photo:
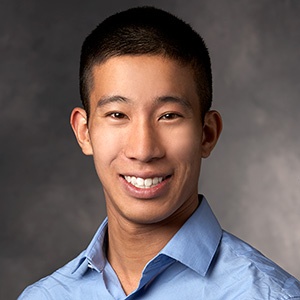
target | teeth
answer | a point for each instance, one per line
(143, 183)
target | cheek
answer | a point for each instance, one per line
(185, 146)
(106, 147)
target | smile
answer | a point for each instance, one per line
(143, 183)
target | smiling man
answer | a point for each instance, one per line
(146, 88)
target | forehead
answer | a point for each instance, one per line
(143, 76)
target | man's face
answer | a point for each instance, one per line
(145, 134)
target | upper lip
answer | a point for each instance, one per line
(146, 175)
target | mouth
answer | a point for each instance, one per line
(144, 183)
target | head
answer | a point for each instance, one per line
(148, 31)
(146, 88)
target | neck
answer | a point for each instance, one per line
(131, 246)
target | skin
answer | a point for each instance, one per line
(145, 122)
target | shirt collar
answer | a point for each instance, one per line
(194, 245)
(94, 256)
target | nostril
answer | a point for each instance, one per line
(143, 154)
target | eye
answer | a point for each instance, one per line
(116, 115)
(170, 116)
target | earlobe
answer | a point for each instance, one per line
(79, 125)
(212, 128)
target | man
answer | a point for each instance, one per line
(146, 88)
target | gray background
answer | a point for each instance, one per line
(51, 201)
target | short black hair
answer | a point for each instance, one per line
(146, 31)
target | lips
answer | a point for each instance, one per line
(149, 186)
(143, 183)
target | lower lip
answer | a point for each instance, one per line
(146, 193)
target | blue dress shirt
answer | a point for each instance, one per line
(200, 262)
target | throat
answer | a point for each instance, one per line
(129, 256)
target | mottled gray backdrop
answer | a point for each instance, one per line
(51, 201)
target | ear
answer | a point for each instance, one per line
(79, 125)
(212, 128)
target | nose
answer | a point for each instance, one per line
(144, 143)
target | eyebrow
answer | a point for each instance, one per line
(111, 99)
(103, 101)
(173, 99)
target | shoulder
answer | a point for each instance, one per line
(52, 285)
(254, 271)
(35, 292)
